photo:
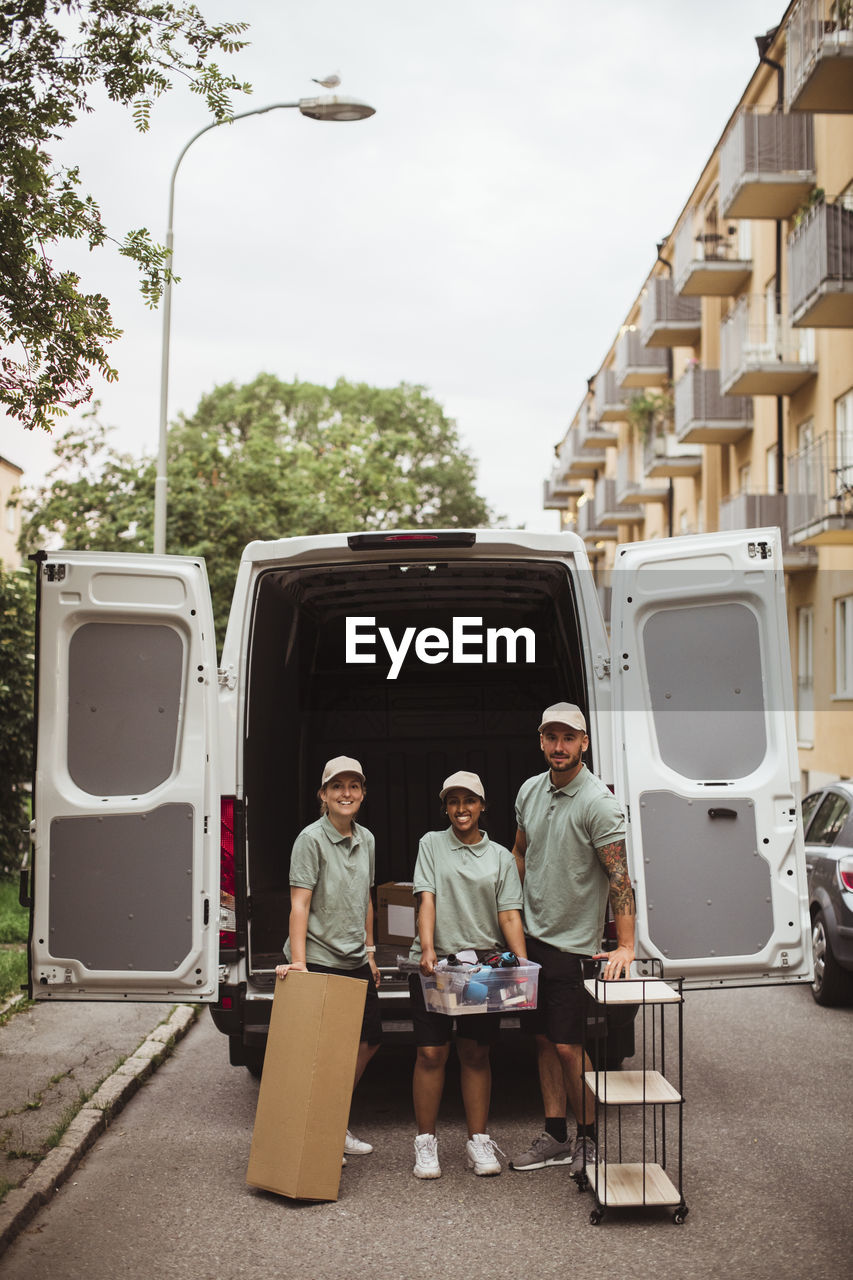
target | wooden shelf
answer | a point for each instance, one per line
(622, 1088)
(633, 1184)
(632, 991)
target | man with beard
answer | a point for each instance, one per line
(570, 853)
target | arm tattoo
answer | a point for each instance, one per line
(612, 858)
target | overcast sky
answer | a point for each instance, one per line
(482, 235)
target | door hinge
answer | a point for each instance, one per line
(601, 666)
(227, 677)
(55, 572)
(760, 550)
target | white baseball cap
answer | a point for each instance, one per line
(341, 764)
(465, 781)
(567, 713)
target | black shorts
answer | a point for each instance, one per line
(561, 1007)
(436, 1028)
(371, 1023)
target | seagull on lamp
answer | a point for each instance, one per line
(328, 82)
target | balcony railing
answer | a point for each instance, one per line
(631, 489)
(638, 365)
(767, 164)
(820, 267)
(819, 57)
(610, 513)
(556, 493)
(762, 511)
(820, 480)
(760, 353)
(610, 400)
(592, 438)
(668, 319)
(711, 261)
(703, 415)
(664, 456)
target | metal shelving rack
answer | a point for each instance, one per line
(655, 1181)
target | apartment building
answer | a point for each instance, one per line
(725, 400)
(10, 514)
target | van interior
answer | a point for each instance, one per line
(306, 704)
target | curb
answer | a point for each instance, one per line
(22, 1203)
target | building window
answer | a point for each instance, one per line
(844, 647)
(805, 676)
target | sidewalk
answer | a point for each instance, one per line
(59, 1061)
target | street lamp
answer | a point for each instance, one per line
(331, 107)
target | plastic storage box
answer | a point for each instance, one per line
(480, 989)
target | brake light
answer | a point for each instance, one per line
(227, 908)
(845, 870)
(443, 538)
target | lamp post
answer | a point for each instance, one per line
(334, 107)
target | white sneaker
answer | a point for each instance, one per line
(426, 1156)
(355, 1147)
(481, 1155)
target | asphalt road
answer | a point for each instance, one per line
(766, 1174)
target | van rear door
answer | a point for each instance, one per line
(706, 762)
(125, 869)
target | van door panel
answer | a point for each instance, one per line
(125, 852)
(705, 757)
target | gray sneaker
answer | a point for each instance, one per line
(584, 1155)
(544, 1150)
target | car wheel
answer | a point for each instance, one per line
(831, 984)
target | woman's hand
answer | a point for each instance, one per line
(282, 970)
(374, 969)
(428, 958)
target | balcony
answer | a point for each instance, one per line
(666, 318)
(609, 512)
(558, 491)
(589, 525)
(577, 461)
(711, 262)
(665, 456)
(703, 415)
(760, 353)
(767, 165)
(592, 437)
(610, 400)
(638, 365)
(820, 267)
(629, 489)
(819, 58)
(820, 480)
(765, 510)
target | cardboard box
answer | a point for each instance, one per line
(461, 991)
(395, 913)
(306, 1087)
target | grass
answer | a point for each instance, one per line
(14, 923)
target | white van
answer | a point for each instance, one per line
(168, 791)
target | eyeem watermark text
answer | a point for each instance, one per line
(468, 641)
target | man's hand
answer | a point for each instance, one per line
(618, 962)
(282, 970)
(428, 958)
(374, 969)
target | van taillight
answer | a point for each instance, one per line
(442, 538)
(845, 870)
(227, 912)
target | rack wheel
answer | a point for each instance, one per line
(595, 1217)
(679, 1216)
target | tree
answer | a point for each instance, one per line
(265, 460)
(52, 52)
(17, 626)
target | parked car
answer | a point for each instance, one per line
(828, 826)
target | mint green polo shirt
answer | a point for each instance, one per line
(565, 886)
(339, 872)
(471, 883)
